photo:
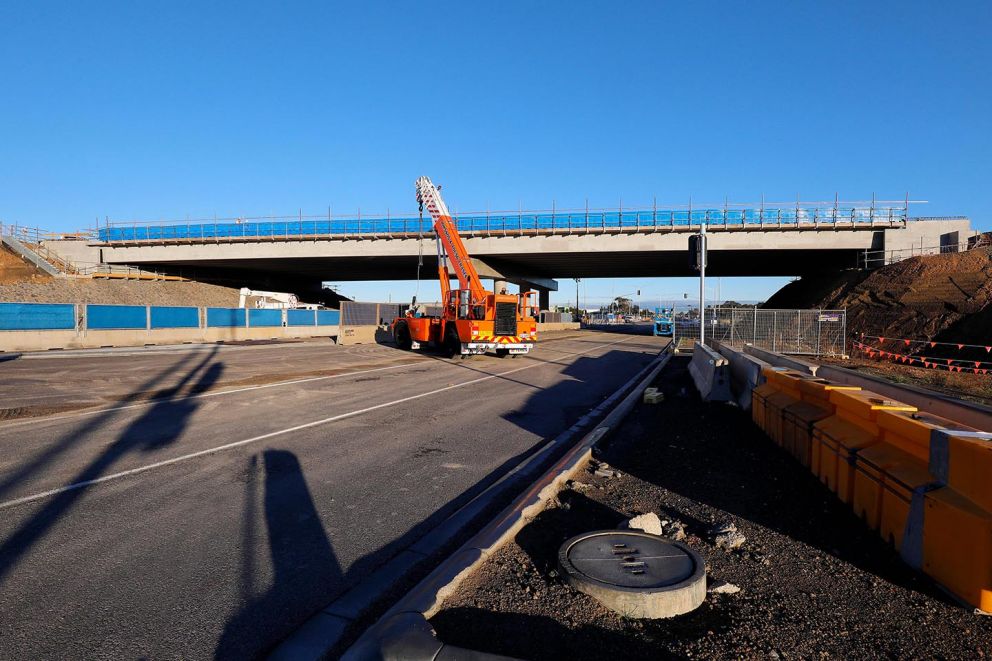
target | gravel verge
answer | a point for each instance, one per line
(814, 582)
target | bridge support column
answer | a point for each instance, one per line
(544, 298)
(499, 286)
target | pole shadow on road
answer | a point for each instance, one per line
(160, 425)
(303, 563)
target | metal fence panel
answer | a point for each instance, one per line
(226, 317)
(258, 318)
(301, 317)
(116, 317)
(328, 317)
(808, 332)
(359, 314)
(37, 316)
(174, 317)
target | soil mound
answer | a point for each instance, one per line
(938, 297)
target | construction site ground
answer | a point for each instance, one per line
(814, 581)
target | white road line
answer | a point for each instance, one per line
(281, 432)
(149, 402)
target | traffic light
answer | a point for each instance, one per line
(697, 251)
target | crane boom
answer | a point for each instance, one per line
(429, 196)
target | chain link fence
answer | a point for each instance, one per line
(808, 332)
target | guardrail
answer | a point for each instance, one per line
(805, 215)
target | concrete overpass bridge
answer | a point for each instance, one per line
(527, 248)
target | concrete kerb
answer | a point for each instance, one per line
(403, 632)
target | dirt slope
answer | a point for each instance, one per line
(939, 297)
(14, 269)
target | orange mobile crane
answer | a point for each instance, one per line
(473, 320)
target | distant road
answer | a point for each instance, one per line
(258, 483)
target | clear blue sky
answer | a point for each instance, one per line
(167, 109)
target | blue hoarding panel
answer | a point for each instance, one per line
(225, 317)
(37, 316)
(106, 317)
(328, 317)
(300, 317)
(259, 318)
(173, 317)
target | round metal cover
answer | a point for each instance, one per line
(635, 573)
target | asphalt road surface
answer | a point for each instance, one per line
(203, 502)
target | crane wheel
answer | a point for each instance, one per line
(402, 337)
(452, 343)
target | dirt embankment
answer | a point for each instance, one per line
(14, 269)
(938, 297)
(119, 292)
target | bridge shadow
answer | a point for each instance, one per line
(160, 425)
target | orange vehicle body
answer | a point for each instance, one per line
(473, 320)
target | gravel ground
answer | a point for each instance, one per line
(975, 387)
(815, 583)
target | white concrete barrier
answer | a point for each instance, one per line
(41, 340)
(711, 373)
(745, 373)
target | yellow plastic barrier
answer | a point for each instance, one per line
(911, 430)
(884, 480)
(835, 442)
(818, 390)
(957, 546)
(758, 397)
(775, 406)
(797, 428)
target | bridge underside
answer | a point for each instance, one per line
(513, 267)
(529, 260)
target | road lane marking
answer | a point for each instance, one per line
(308, 425)
(155, 400)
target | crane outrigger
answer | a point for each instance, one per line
(473, 320)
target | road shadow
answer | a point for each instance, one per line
(303, 562)
(539, 637)
(161, 424)
(95, 422)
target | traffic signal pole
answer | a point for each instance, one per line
(702, 282)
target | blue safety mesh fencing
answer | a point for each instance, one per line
(225, 317)
(579, 220)
(301, 317)
(328, 317)
(264, 318)
(116, 317)
(37, 316)
(175, 317)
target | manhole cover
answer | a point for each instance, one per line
(635, 573)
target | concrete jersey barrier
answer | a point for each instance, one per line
(711, 373)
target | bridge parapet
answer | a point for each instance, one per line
(878, 215)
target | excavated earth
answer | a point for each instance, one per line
(938, 297)
(814, 581)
